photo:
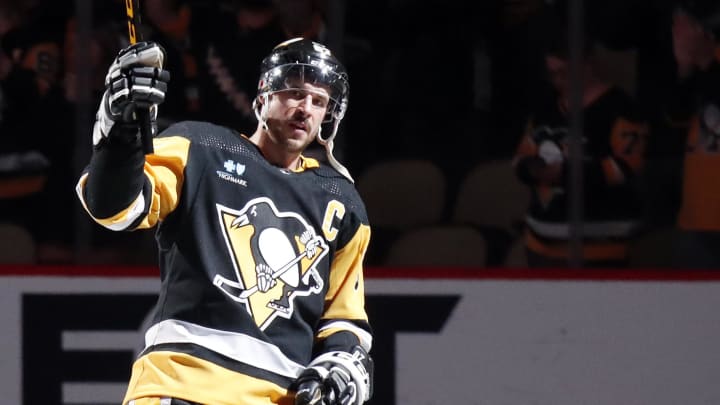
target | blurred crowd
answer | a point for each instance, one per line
(453, 83)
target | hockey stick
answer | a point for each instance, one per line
(132, 10)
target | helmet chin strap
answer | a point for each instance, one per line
(261, 113)
(329, 145)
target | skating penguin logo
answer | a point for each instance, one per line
(275, 257)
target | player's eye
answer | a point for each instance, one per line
(320, 101)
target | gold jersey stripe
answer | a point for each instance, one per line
(119, 221)
(178, 375)
(165, 170)
(346, 291)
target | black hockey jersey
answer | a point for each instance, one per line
(261, 267)
(614, 138)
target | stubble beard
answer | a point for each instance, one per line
(282, 136)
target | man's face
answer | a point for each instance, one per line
(295, 114)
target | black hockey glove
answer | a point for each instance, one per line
(136, 79)
(336, 378)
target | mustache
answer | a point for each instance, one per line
(303, 122)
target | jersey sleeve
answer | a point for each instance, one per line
(122, 189)
(344, 323)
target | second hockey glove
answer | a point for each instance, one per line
(136, 79)
(336, 378)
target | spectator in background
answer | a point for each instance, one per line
(35, 156)
(644, 28)
(696, 101)
(613, 142)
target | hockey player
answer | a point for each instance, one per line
(613, 153)
(261, 247)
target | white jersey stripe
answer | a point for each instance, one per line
(237, 346)
(134, 213)
(365, 337)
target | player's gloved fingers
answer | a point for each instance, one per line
(149, 82)
(114, 74)
(348, 396)
(309, 393)
(339, 387)
(117, 101)
(121, 85)
(141, 53)
(160, 75)
(148, 94)
(142, 89)
(329, 397)
(118, 95)
(150, 77)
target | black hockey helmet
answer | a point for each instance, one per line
(312, 63)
